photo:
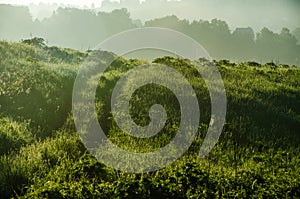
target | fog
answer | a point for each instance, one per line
(273, 14)
(250, 38)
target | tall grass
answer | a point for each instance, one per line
(41, 155)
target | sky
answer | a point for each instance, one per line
(273, 14)
(70, 2)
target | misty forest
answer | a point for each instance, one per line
(42, 155)
(84, 29)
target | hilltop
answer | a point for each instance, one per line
(41, 155)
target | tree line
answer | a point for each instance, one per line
(84, 29)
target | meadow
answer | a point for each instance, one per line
(42, 155)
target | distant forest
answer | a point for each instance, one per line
(84, 29)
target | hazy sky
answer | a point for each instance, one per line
(257, 14)
(71, 2)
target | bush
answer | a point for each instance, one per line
(13, 135)
(22, 168)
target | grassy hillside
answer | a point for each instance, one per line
(42, 156)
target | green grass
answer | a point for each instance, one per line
(42, 156)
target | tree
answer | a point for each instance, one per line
(267, 45)
(243, 43)
(36, 41)
(287, 38)
(296, 32)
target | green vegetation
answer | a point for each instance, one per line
(82, 28)
(41, 155)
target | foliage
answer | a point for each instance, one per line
(83, 29)
(41, 156)
(38, 42)
(13, 135)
